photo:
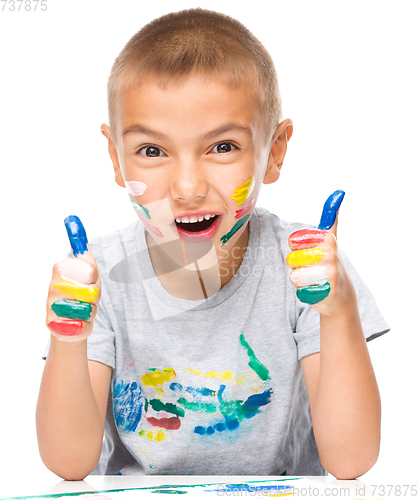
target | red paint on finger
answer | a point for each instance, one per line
(68, 327)
(307, 238)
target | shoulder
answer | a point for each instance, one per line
(273, 228)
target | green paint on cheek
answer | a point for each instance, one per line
(234, 229)
(313, 294)
(72, 310)
(143, 210)
(254, 363)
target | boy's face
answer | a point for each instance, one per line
(195, 151)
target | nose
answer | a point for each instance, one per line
(188, 181)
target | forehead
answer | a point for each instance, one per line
(194, 104)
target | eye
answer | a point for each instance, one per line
(151, 151)
(223, 147)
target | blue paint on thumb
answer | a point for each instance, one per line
(76, 234)
(330, 209)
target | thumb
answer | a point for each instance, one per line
(78, 239)
(328, 220)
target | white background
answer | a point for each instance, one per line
(348, 78)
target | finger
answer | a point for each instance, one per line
(330, 209)
(302, 258)
(78, 270)
(72, 309)
(78, 239)
(306, 238)
(309, 276)
(313, 294)
(78, 291)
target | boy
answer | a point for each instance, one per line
(200, 359)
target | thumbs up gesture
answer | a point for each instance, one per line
(74, 291)
(319, 273)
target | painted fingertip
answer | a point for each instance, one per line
(330, 209)
(313, 294)
(72, 310)
(69, 327)
(76, 234)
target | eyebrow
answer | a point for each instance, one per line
(138, 129)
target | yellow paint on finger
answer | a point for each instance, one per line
(84, 293)
(243, 191)
(302, 258)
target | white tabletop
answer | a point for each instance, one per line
(46, 483)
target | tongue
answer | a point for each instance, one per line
(195, 227)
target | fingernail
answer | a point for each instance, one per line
(76, 234)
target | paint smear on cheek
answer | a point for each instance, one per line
(140, 209)
(243, 191)
(243, 211)
(135, 188)
(234, 229)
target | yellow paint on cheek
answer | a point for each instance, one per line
(157, 377)
(243, 191)
(84, 293)
(307, 257)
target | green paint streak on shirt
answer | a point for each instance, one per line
(258, 367)
(204, 407)
(234, 229)
(158, 405)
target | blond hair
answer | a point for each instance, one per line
(202, 41)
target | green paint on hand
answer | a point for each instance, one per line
(234, 229)
(158, 405)
(313, 294)
(204, 407)
(254, 363)
(72, 310)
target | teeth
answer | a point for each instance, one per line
(193, 218)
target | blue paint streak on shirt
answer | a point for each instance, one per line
(257, 400)
(174, 386)
(200, 391)
(128, 403)
(330, 209)
(76, 234)
(200, 430)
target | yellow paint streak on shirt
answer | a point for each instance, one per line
(226, 375)
(160, 434)
(241, 381)
(84, 293)
(212, 374)
(157, 378)
(191, 370)
(243, 191)
(150, 435)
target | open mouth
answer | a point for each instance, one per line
(196, 227)
(198, 232)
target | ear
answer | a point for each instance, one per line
(278, 149)
(106, 131)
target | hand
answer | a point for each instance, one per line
(74, 291)
(319, 273)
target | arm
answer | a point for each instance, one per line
(71, 410)
(344, 397)
(341, 386)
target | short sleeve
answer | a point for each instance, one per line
(307, 331)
